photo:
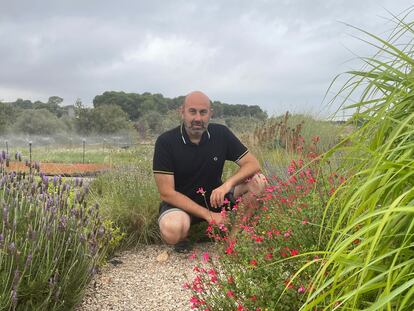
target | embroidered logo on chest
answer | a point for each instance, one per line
(215, 159)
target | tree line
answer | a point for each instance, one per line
(111, 112)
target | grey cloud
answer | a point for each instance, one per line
(276, 54)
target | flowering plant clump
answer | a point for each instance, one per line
(50, 241)
(257, 269)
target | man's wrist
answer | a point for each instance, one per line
(206, 214)
(228, 183)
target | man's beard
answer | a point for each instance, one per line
(196, 127)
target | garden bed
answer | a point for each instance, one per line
(63, 169)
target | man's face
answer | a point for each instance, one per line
(196, 114)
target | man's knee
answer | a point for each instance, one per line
(174, 226)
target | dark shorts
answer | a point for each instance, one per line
(165, 208)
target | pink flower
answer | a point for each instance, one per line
(201, 191)
(230, 294)
(205, 257)
(223, 228)
(301, 289)
(192, 256)
(226, 201)
(253, 262)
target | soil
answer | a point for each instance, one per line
(63, 169)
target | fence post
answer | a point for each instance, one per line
(83, 154)
(30, 157)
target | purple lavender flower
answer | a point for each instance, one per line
(45, 180)
(78, 197)
(12, 247)
(63, 223)
(101, 231)
(5, 215)
(29, 260)
(16, 278)
(55, 180)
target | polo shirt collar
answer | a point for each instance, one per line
(186, 139)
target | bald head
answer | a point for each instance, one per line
(197, 97)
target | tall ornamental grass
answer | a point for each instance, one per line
(369, 260)
(129, 197)
(50, 241)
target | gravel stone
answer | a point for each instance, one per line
(136, 280)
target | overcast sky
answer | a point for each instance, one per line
(280, 55)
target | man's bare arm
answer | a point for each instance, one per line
(165, 184)
(249, 166)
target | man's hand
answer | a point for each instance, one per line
(217, 218)
(217, 195)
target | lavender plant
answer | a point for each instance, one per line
(50, 241)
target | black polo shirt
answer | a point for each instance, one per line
(196, 166)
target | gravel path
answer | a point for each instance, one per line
(142, 280)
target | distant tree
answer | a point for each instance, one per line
(55, 100)
(105, 119)
(217, 109)
(109, 119)
(8, 115)
(176, 102)
(24, 104)
(130, 103)
(136, 105)
(153, 121)
(38, 121)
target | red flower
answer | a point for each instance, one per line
(230, 294)
(288, 283)
(294, 252)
